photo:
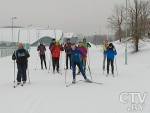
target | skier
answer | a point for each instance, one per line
(52, 43)
(55, 50)
(75, 60)
(68, 55)
(87, 46)
(83, 57)
(42, 50)
(105, 45)
(21, 55)
(110, 52)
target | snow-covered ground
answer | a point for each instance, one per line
(47, 92)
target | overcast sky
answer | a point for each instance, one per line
(81, 16)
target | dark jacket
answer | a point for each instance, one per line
(51, 44)
(21, 56)
(42, 49)
(66, 47)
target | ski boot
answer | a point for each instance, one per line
(87, 80)
(18, 82)
(74, 81)
(78, 73)
(113, 74)
(24, 82)
(53, 71)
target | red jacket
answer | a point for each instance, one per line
(55, 50)
(83, 50)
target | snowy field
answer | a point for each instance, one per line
(47, 92)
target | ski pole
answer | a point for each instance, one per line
(14, 72)
(89, 57)
(47, 56)
(28, 75)
(49, 62)
(89, 70)
(61, 62)
(36, 63)
(65, 75)
(116, 66)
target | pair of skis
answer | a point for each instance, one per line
(22, 84)
(86, 82)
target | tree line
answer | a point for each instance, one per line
(138, 14)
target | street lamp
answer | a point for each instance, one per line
(12, 28)
(126, 34)
(29, 35)
(111, 27)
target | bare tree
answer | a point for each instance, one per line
(139, 12)
(117, 19)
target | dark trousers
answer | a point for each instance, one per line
(55, 61)
(42, 57)
(68, 57)
(83, 64)
(79, 64)
(21, 72)
(112, 65)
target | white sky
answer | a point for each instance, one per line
(81, 16)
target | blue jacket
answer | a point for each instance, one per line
(110, 53)
(75, 55)
(21, 55)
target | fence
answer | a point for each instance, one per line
(7, 48)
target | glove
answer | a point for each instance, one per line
(13, 57)
(114, 49)
(27, 55)
(84, 55)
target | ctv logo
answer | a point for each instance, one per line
(136, 99)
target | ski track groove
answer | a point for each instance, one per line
(34, 101)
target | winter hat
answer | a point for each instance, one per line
(106, 41)
(57, 41)
(80, 43)
(53, 39)
(41, 42)
(111, 44)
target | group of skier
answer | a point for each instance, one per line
(77, 55)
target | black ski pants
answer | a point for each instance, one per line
(110, 61)
(42, 57)
(55, 61)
